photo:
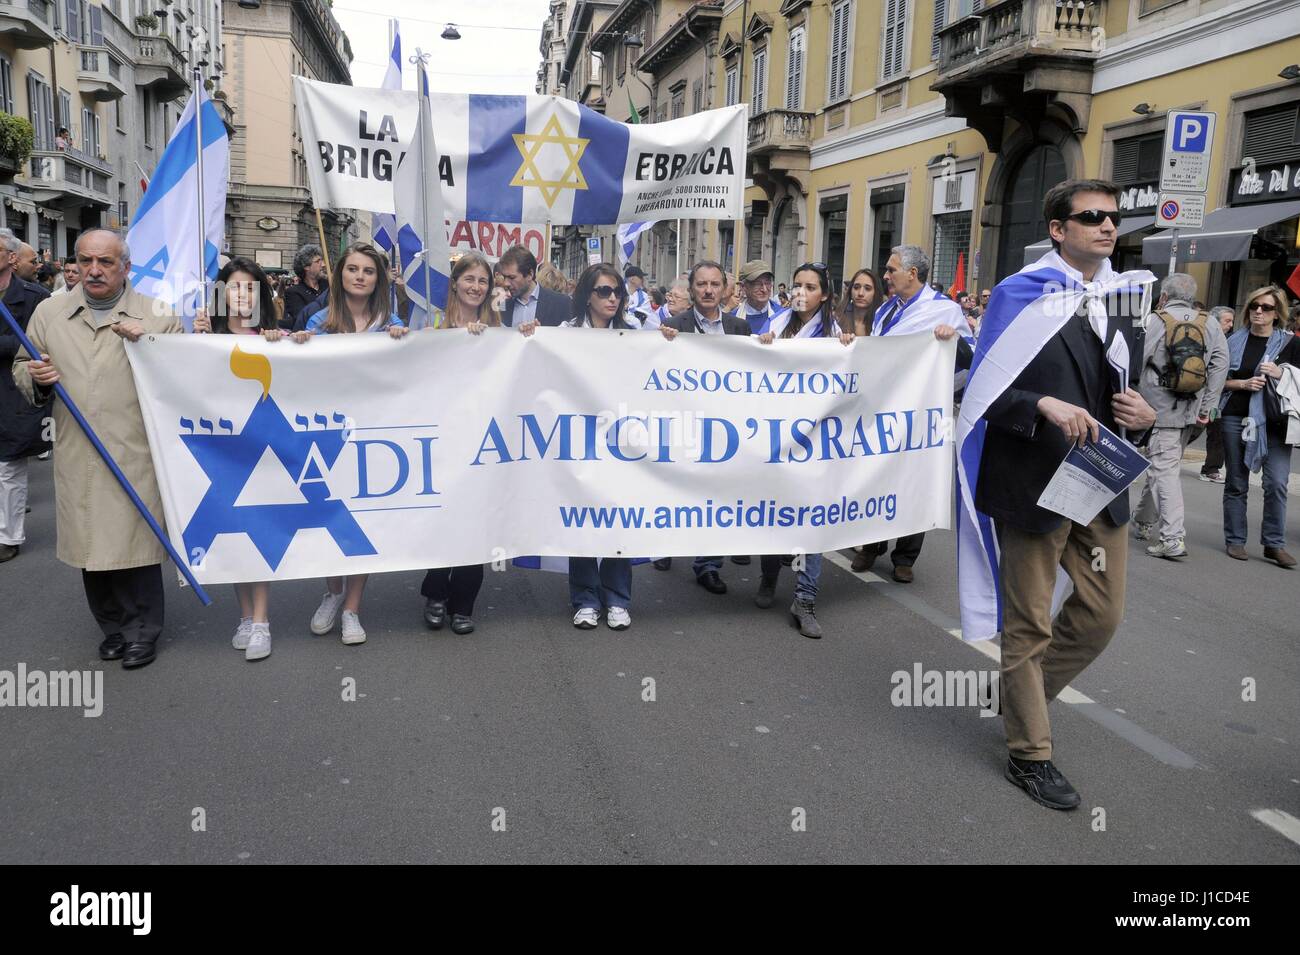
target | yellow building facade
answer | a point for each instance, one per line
(942, 123)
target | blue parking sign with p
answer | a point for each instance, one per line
(1190, 132)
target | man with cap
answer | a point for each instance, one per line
(758, 308)
(638, 299)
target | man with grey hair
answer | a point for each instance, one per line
(912, 308)
(81, 340)
(1185, 362)
(23, 431)
(313, 282)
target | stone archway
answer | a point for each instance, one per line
(1004, 218)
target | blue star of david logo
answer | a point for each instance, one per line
(228, 461)
(155, 268)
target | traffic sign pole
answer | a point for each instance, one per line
(1173, 251)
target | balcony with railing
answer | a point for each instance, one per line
(778, 129)
(99, 74)
(70, 172)
(159, 67)
(1020, 54)
(28, 24)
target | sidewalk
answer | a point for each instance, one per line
(1193, 458)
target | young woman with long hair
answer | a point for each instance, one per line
(862, 296)
(812, 315)
(360, 301)
(243, 303)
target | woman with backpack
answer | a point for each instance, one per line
(1252, 441)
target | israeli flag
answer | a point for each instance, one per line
(385, 223)
(627, 236)
(1037, 301)
(169, 259)
(421, 232)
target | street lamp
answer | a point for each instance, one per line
(451, 33)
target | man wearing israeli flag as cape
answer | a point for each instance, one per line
(915, 308)
(1055, 354)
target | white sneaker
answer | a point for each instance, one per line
(1169, 549)
(259, 642)
(240, 642)
(586, 618)
(1142, 531)
(352, 632)
(327, 614)
(618, 618)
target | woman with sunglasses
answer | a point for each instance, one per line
(244, 304)
(811, 315)
(469, 306)
(1250, 442)
(861, 299)
(360, 301)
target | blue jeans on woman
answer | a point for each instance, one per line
(609, 586)
(1276, 471)
(805, 584)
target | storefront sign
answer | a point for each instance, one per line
(1254, 183)
(1140, 197)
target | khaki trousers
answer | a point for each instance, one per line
(1041, 656)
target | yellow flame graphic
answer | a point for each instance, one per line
(252, 367)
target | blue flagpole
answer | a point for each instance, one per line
(62, 393)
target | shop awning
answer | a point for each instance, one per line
(20, 205)
(1133, 224)
(1225, 237)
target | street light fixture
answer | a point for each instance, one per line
(1144, 109)
(451, 33)
(1290, 72)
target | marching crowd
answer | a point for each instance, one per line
(1231, 373)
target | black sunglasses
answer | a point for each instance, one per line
(1097, 216)
(605, 291)
(813, 266)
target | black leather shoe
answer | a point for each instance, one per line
(112, 648)
(742, 560)
(435, 613)
(1043, 781)
(8, 552)
(461, 624)
(711, 582)
(664, 563)
(138, 655)
(864, 559)
(766, 593)
(903, 574)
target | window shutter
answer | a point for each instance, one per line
(96, 26)
(1272, 134)
(794, 72)
(940, 21)
(757, 100)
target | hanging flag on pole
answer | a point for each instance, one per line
(424, 258)
(166, 245)
(959, 280)
(385, 223)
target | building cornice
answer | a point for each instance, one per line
(917, 125)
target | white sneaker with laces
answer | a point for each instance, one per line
(240, 642)
(586, 619)
(1169, 549)
(259, 642)
(327, 614)
(618, 618)
(352, 632)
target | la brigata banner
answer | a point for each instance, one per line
(523, 158)
(361, 454)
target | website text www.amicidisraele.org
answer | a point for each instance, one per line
(726, 514)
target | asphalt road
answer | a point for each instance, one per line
(544, 728)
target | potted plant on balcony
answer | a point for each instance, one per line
(146, 21)
(17, 137)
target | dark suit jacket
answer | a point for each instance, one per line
(685, 322)
(297, 298)
(552, 308)
(1022, 450)
(20, 423)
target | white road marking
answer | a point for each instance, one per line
(1280, 821)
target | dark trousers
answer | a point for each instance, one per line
(1213, 447)
(127, 603)
(458, 587)
(906, 549)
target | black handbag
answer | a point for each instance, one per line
(1273, 412)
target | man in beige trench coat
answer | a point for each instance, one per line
(81, 337)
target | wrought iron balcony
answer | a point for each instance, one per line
(28, 24)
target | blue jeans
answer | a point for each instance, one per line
(805, 585)
(1236, 487)
(702, 565)
(608, 586)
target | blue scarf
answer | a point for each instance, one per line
(1257, 443)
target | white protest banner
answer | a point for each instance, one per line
(361, 454)
(523, 158)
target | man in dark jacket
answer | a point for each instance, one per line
(705, 316)
(528, 301)
(313, 282)
(22, 427)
